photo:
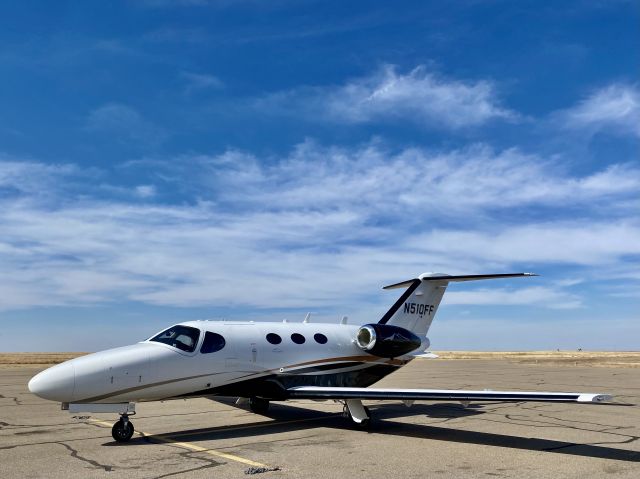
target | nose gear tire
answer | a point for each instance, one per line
(122, 432)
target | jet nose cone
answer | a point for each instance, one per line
(55, 384)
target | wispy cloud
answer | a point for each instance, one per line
(420, 96)
(145, 191)
(125, 124)
(352, 218)
(490, 334)
(200, 81)
(371, 178)
(30, 177)
(615, 109)
(581, 242)
(551, 298)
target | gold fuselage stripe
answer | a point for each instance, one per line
(366, 359)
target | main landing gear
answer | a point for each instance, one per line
(359, 415)
(122, 430)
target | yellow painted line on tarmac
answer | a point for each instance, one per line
(192, 447)
(251, 426)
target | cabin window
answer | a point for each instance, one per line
(273, 338)
(297, 338)
(184, 338)
(212, 342)
(320, 338)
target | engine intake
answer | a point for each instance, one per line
(386, 341)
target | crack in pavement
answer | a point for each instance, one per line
(95, 464)
(15, 446)
(14, 398)
(608, 426)
(273, 441)
(562, 423)
(192, 454)
(8, 426)
(600, 428)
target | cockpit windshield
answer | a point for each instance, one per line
(181, 337)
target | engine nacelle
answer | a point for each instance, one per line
(386, 341)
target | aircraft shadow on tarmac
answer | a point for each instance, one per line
(288, 418)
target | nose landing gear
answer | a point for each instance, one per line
(122, 430)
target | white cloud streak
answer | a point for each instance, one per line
(386, 96)
(145, 191)
(415, 183)
(201, 81)
(614, 109)
(32, 178)
(551, 298)
(488, 334)
(583, 242)
(327, 226)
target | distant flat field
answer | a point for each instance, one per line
(615, 359)
(35, 359)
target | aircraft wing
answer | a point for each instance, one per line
(316, 392)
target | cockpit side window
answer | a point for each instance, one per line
(212, 342)
(184, 338)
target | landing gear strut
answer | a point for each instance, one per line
(122, 430)
(359, 415)
(259, 405)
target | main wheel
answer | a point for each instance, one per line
(122, 433)
(259, 405)
(364, 424)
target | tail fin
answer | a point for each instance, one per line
(417, 306)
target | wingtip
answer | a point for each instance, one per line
(595, 398)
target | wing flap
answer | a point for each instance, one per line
(316, 392)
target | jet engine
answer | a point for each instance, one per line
(386, 341)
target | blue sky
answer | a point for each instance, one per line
(172, 160)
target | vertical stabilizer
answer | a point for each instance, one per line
(417, 306)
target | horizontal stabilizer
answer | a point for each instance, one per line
(315, 392)
(449, 278)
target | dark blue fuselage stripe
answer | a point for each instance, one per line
(400, 302)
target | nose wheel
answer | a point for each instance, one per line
(122, 430)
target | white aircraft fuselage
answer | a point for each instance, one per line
(244, 367)
(266, 361)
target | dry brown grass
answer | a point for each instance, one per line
(628, 359)
(8, 360)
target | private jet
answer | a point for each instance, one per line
(259, 362)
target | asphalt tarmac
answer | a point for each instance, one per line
(305, 439)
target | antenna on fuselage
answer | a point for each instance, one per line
(285, 320)
(306, 318)
(344, 320)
